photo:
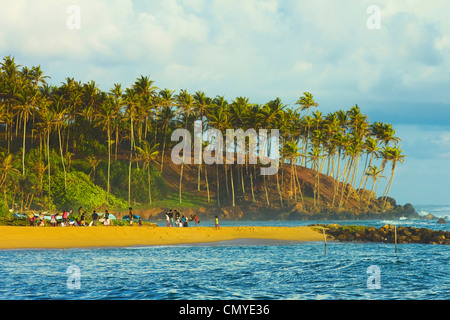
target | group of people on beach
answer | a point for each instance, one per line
(175, 219)
(69, 220)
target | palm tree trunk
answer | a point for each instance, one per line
(232, 183)
(24, 136)
(62, 159)
(345, 186)
(217, 176)
(181, 179)
(149, 185)
(279, 191)
(48, 161)
(242, 178)
(164, 149)
(251, 183)
(109, 163)
(207, 184)
(131, 159)
(265, 189)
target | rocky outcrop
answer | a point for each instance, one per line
(385, 234)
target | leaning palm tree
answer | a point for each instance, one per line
(395, 156)
(374, 173)
(148, 155)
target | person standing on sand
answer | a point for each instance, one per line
(107, 221)
(130, 216)
(64, 218)
(53, 220)
(94, 218)
(217, 222)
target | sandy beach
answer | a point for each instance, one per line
(84, 237)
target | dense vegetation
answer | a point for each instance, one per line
(75, 145)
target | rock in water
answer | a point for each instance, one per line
(442, 220)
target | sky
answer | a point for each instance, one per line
(391, 58)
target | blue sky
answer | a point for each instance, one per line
(263, 49)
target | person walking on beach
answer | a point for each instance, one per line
(167, 220)
(196, 220)
(217, 222)
(170, 214)
(94, 218)
(130, 216)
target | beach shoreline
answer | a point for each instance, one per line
(128, 236)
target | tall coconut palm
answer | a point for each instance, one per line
(165, 116)
(395, 156)
(131, 101)
(202, 103)
(148, 154)
(185, 103)
(107, 112)
(218, 119)
(26, 101)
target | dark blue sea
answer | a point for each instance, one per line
(237, 270)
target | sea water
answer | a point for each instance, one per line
(240, 269)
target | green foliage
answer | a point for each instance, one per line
(139, 182)
(88, 147)
(4, 212)
(81, 192)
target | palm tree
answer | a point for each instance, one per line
(148, 155)
(291, 152)
(59, 111)
(218, 119)
(107, 112)
(94, 162)
(374, 173)
(26, 99)
(306, 102)
(166, 115)
(395, 155)
(7, 163)
(185, 103)
(131, 101)
(202, 103)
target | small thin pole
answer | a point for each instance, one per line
(395, 237)
(325, 239)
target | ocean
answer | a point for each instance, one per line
(237, 270)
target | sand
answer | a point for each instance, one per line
(124, 236)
